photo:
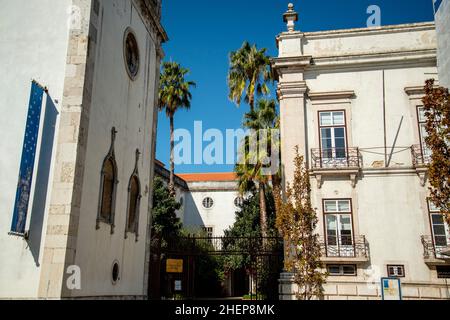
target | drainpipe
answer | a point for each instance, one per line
(384, 121)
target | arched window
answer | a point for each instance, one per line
(134, 197)
(108, 186)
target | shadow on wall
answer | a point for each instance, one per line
(192, 217)
(42, 179)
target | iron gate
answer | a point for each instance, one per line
(265, 257)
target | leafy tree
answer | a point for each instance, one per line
(248, 75)
(165, 223)
(174, 93)
(296, 221)
(251, 170)
(437, 111)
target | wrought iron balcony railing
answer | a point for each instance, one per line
(344, 247)
(420, 157)
(335, 158)
(431, 250)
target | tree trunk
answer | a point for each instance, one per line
(262, 210)
(172, 163)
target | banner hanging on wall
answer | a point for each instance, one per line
(22, 200)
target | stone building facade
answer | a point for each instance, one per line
(442, 19)
(351, 100)
(99, 63)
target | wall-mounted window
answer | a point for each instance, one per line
(208, 203)
(395, 271)
(134, 199)
(341, 269)
(333, 139)
(209, 232)
(108, 186)
(338, 227)
(443, 272)
(422, 121)
(439, 228)
(131, 54)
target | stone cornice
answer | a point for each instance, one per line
(356, 32)
(295, 89)
(416, 90)
(331, 95)
(298, 63)
(400, 58)
(150, 16)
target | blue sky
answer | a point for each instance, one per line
(203, 32)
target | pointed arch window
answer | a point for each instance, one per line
(134, 200)
(108, 187)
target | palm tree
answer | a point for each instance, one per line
(248, 75)
(174, 93)
(249, 170)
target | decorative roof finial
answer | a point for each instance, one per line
(290, 17)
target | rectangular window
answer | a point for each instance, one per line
(341, 270)
(443, 272)
(396, 271)
(422, 120)
(439, 228)
(338, 228)
(209, 231)
(333, 139)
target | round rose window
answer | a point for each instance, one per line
(131, 53)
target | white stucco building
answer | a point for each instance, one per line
(442, 18)
(84, 216)
(209, 201)
(351, 100)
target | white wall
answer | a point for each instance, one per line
(127, 105)
(443, 37)
(33, 45)
(222, 214)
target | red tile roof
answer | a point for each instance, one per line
(213, 176)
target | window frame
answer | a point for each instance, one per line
(337, 213)
(341, 269)
(212, 203)
(446, 226)
(401, 266)
(320, 126)
(109, 157)
(134, 175)
(423, 146)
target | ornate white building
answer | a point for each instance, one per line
(442, 18)
(351, 100)
(75, 224)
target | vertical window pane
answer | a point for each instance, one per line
(421, 113)
(325, 119)
(346, 229)
(331, 226)
(330, 206)
(338, 118)
(344, 205)
(108, 188)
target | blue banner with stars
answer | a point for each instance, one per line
(27, 162)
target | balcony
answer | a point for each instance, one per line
(344, 249)
(335, 162)
(420, 160)
(433, 254)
